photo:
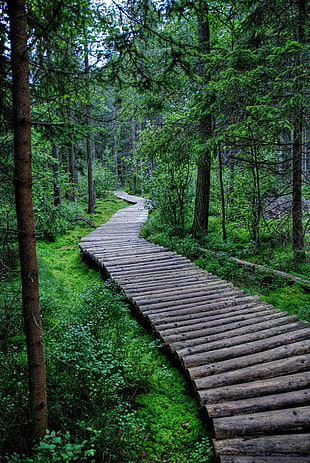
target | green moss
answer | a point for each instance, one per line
(294, 299)
(172, 416)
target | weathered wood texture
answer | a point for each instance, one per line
(249, 363)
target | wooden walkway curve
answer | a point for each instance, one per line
(250, 363)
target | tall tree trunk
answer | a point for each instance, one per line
(202, 199)
(57, 197)
(298, 237)
(71, 163)
(91, 189)
(25, 216)
(224, 232)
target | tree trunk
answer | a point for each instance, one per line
(57, 197)
(91, 189)
(25, 216)
(298, 237)
(72, 171)
(202, 200)
(224, 232)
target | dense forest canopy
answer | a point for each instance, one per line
(152, 95)
(200, 106)
(156, 95)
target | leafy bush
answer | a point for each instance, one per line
(56, 448)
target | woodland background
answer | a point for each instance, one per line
(200, 106)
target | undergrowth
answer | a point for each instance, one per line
(113, 395)
(293, 298)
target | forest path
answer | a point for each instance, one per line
(249, 362)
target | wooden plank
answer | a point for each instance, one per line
(177, 289)
(121, 254)
(187, 319)
(259, 404)
(249, 332)
(214, 342)
(136, 260)
(284, 351)
(245, 349)
(257, 388)
(287, 444)
(259, 371)
(151, 307)
(203, 292)
(166, 285)
(182, 312)
(266, 459)
(227, 327)
(171, 266)
(130, 266)
(275, 421)
(166, 275)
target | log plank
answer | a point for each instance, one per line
(245, 349)
(257, 388)
(275, 421)
(284, 351)
(230, 327)
(272, 369)
(267, 459)
(213, 343)
(259, 404)
(292, 444)
(222, 312)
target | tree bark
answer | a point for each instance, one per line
(57, 196)
(25, 216)
(298, 237)
(224, 232)
(91, 189)
(202, 199)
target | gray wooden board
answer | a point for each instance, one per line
(260, 404)
(276, 446)
(257, 388)
(215, 342)
(259, 370)
(254, 347)
(228, 326)
(272, 422)
(208, 314)
(233, 364)
(267, 459)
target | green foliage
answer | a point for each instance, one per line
(104, 178)
(56, 448)
(164, 162)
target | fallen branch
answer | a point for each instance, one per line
(261, 268)
(79, 217)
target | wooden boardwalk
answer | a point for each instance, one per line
(249, 363)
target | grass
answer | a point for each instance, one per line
(114, 396)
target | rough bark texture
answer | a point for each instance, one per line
(25, 216)
(91, 189)
(202, 201)
(57, 196)
(298, 238)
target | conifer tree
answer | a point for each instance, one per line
(25, 216)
